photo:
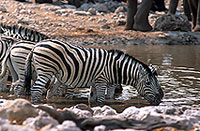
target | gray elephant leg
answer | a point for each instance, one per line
(132, 9)
(197, 27)
(141, 22)
(193, 7)
(187, 10)
(172, 6)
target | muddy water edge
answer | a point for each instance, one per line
(178, 68)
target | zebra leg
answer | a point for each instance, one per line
(17, 88)
(111, 91)
(70, 92)
(52, 88)
(3, 82)
(38, 88)
(100, 88)
(92, 95)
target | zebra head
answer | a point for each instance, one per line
(148, 85)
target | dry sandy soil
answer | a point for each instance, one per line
(64, 24)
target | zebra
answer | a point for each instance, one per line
(15, 59)
(21, 33)
(17, 55)
(76, 66)
(9, 36)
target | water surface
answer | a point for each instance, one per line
(178, 69)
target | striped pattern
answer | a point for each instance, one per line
(17, 56)
(15, 59)
(3, 50)
(83, 67)
(21, 33)
(9, 36)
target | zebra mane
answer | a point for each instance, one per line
(120, 53)
(21, 33)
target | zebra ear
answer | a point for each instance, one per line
(153, 70)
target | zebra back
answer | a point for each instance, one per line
(21, 33)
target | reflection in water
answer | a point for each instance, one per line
(178, 74)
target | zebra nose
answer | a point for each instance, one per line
(161, 93)
(158, 96)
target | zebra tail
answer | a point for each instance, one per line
(28, 73)
(4, 64)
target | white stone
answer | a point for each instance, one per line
(68, 6)
(40, 121)
(68, 126)
(92, 11)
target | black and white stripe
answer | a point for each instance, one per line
(9, 36)
(21, 33)
(15, 60)
(83, 67)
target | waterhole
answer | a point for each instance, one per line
(178, 69)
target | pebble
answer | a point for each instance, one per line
(92, 11)
(80, 13)
(41, 120)
(91, 19)
(102, 21)
(1, 17)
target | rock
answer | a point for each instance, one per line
(18, 110)
(121, 15)
(102, 21)
(48, 128)
(82, 107)
(100, 128)
(3, 9)
(60, 116)
(92, 11)
(172, 23)
(81, 13)
(39, 122)
(24, 11)
(4, 121)
(91, 19)
(111, 5)
(101, 8)
(68, 126)
(106, 26)
(49, 8)
(82, 113)
(120, 22)
(62, 11)
(68, 6)
(103, 111)
(194, 113)
(171, 111)
(43, 1)
(143, 114)
(85, 7)
(82, 110)
(8, 127)
(120, 9)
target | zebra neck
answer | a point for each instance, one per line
(128, 73)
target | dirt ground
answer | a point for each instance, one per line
(64, 24)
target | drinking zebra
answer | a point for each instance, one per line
(17, 55)
(76, 66)
(9, 36)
